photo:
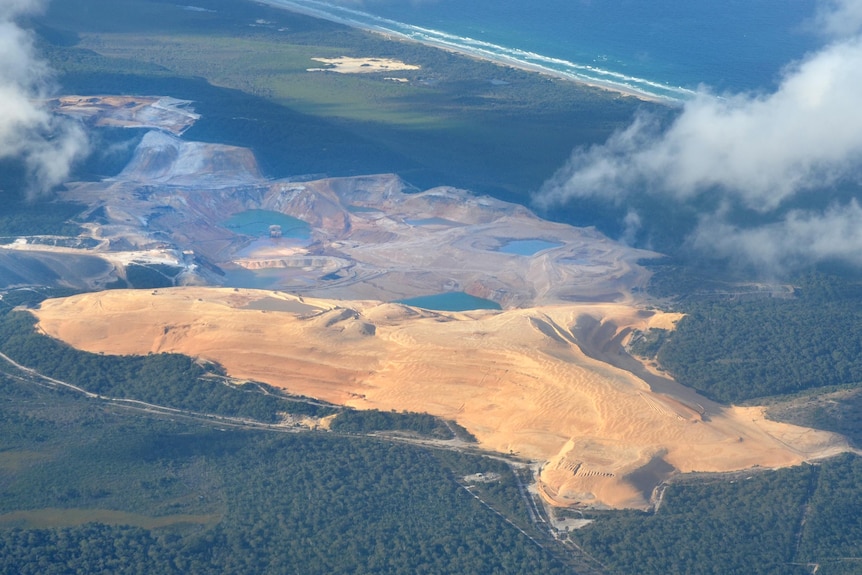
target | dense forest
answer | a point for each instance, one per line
(178, 381)
(170, 380)
(88, 487)
(839, 411)
(734, 349)
(366, 421)
(782, 522)
(21, 216)
(85, 488)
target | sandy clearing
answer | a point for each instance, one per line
(158, 112)
(519, 380)
(348, 65)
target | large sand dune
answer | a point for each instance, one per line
(539, 382)
(547, 379)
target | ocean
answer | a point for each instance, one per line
(661, 48)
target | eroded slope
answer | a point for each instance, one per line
(519, 379)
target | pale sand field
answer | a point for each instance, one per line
(348, 65)
(519, 380)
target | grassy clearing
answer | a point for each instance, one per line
(273, 70)
(52, 518)
(458, 121)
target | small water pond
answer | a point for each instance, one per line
(256, 223)
(450, 301)
(527, 247)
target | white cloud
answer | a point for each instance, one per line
(47, 144)
(840, 18)
(797, 239)
(758, 150)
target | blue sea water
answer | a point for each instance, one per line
(663, 48)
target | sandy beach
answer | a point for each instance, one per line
(480, 54)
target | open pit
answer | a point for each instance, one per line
(546, 377)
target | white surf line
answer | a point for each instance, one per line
(515, 57)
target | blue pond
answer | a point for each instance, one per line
(257, 279)
(527, 247)
(450, 301)
(256, 223)
(431, 222)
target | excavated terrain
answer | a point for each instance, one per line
(546, 377)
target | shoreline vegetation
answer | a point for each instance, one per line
(457, 121)
(498, 59)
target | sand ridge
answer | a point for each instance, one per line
(536, 381)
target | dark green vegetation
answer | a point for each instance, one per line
(647, 344)
(178, 381)
(150, 276)
(739, 346)
(85, 488)
(367, 421)
(796, 348)
(778, 523)
(89, 487)
(169, 380)
(22, 215)
(838, 411)
(457, 122)
(26, 214)
(88, 490)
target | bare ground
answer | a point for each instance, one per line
(518, 380)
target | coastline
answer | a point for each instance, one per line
(498, 59)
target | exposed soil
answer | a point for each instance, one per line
(518, 379)
(546, 378)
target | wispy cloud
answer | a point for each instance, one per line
(46, 143)
(839, 18)
(761, 151)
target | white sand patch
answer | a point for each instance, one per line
(347, 65)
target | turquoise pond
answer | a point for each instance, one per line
(257, 279)
(527, 247)
(431, 222)
(450, 301)
(256, 223)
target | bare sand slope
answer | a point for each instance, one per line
(520, 380)
(158, 112)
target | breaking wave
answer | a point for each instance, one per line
(512, 56)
